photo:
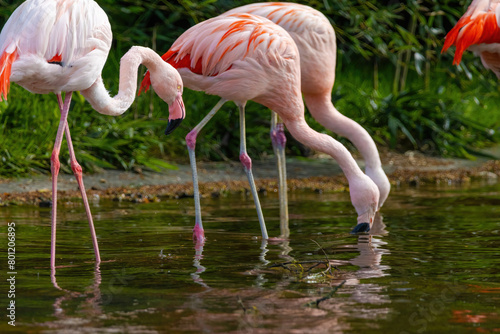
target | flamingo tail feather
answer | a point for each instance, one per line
(6, 61)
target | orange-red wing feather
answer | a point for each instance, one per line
(169, 57)
(5, 69)
(185, 62)
(56, 59)
(482, 29)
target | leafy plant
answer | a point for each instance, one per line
(389, 74)
(418, 120)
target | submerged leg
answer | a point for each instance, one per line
(247, 164)
(77, 170)
(198, 232)
(54, 168)
(278, 139)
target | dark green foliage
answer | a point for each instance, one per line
(390, 75)
(417, 120)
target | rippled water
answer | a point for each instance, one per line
(431, 265)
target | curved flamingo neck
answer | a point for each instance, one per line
(98, 96)
(324, 112)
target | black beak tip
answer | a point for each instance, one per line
(172, 125)
(360, 228)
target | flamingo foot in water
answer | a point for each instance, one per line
(198, 233)
(362, 227)
(277, 240)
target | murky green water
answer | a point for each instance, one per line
(431, 266)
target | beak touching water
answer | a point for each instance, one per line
(177, 113)
(360, 228)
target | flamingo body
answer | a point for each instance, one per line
(478, 30)
(243, 57)
(213, 60)
(315, 39)
(56, 46)
(312, 33)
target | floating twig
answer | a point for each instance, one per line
(328, 296)
(326, 257)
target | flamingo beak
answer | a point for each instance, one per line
(177, 113)
(360, 228)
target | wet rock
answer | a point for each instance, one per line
(183, 195)
(414, 181)
(45, 204)
(488, 175)
(119, 197)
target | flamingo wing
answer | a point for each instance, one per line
(478, 29)
(295, 18)
(40, 32)
(313, 34)
(216, 45)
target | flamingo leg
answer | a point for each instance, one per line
(278, 139)
(77, 170)
(54, 167)
(198, 232)
(247, 164)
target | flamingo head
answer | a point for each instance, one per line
(364, 196)
(167, 83)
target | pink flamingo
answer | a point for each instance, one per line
(478, 30)
(242, 57)
(55, 46)
(315, 39)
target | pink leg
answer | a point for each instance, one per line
(247, 165)
(198, 231)
(278, 139)
(55, 165)
(77, 170)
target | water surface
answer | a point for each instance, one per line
(431, 265)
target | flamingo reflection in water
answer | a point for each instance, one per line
(267, 302)
(370, 248)
(91, 304)
(87, 309)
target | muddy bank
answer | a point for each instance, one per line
(320, 174)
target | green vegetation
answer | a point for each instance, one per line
(391, 78)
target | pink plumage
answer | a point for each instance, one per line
(51, 46)
(478, 30)
(56, 46)
(248, 45)
(42, 31)
(315, 39)
(243, 57)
